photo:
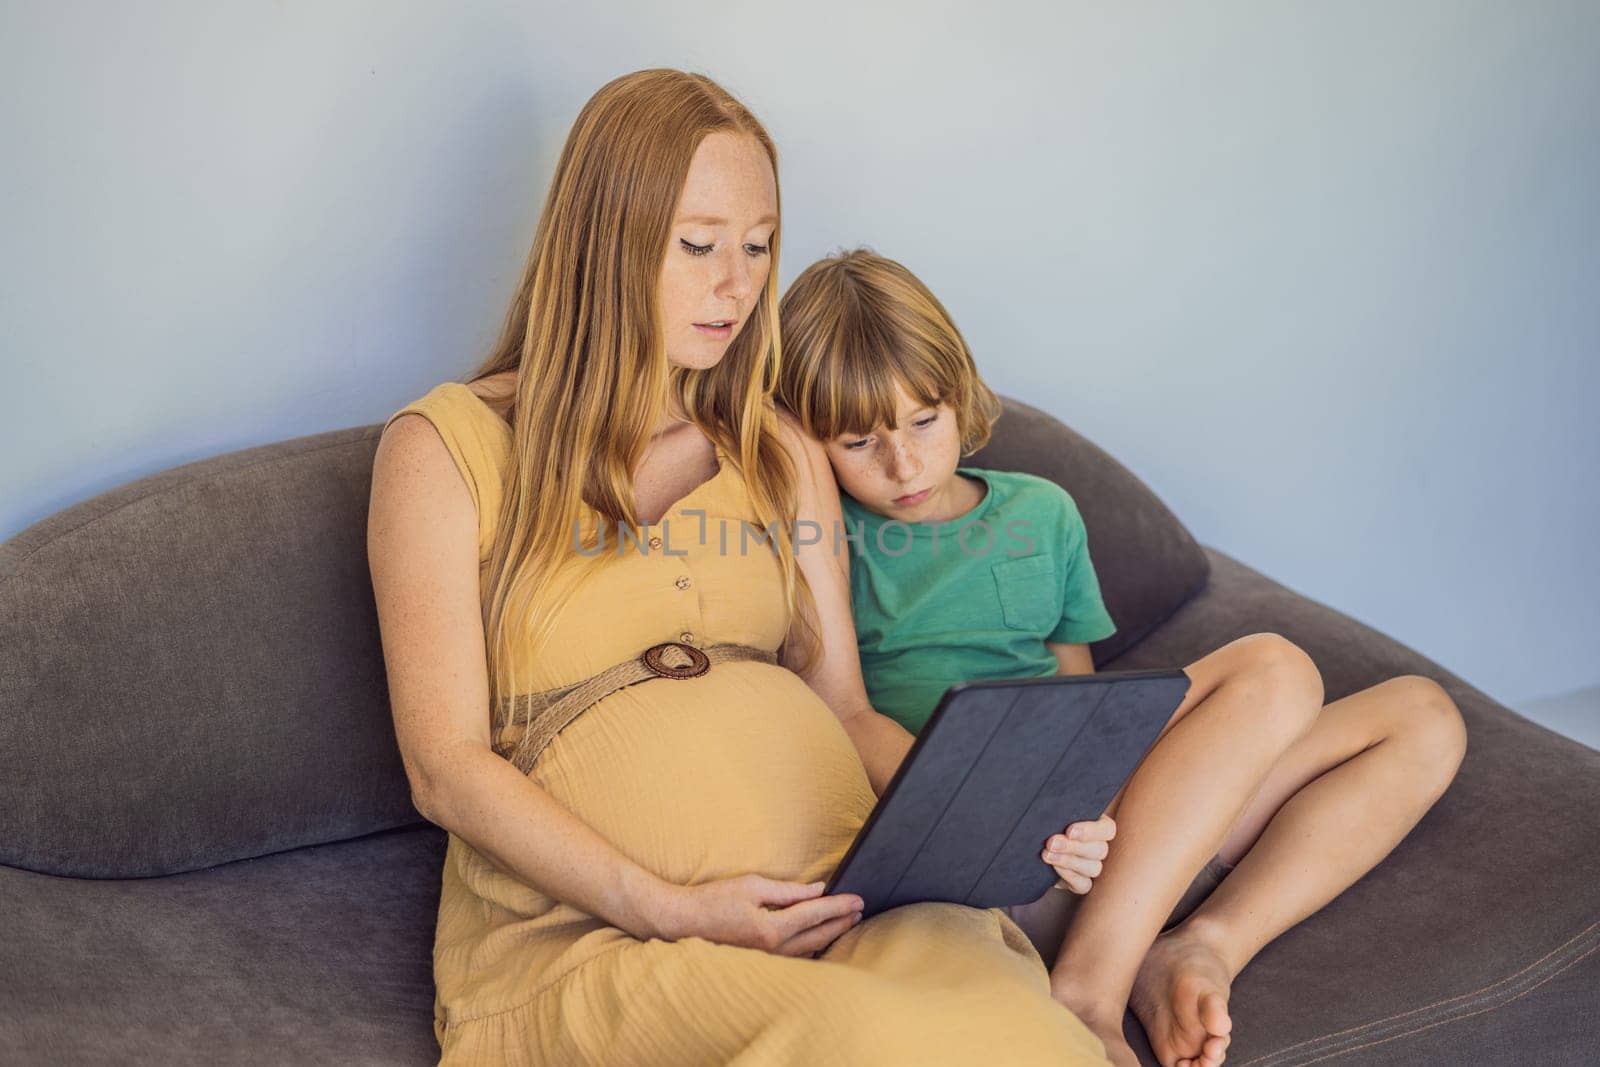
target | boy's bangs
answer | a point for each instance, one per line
(860, 397)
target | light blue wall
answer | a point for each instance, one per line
(1324, 274)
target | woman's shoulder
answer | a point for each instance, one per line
(484, 399)
(497, 392)
(805, 451)
(464, 417)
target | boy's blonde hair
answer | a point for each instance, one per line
(854, 323)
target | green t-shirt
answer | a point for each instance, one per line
(973, 598)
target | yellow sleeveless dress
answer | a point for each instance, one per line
(743, 769)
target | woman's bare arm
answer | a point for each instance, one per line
(836, 677)
(422, 548)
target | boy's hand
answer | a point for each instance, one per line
(1077, 851)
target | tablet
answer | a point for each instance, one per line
(999, 767)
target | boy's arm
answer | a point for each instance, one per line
(881, 742)
(1072, 659)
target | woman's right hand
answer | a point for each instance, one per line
(752, 911)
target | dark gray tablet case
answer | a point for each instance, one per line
(999, 767)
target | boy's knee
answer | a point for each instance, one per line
(1427, 714)
(1278, 664)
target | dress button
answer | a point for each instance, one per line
(655, 542)
(683, 583)
(686, 637)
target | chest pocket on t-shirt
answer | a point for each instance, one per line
(1027, 588)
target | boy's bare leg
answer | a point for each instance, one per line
(1247, 704)
(1374, 762)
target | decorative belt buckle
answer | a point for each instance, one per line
(698, 665)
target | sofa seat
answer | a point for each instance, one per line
(317, 955)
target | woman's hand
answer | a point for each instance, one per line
(1077, 852)
(752, 911)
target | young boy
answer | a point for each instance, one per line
(962, 573)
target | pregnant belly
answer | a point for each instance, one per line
(744, 769)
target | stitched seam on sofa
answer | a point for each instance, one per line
(1564, 954)
(1451, 1019)
(1476, 997)
(85, 524)
(1353, 1030)
(452, 1021)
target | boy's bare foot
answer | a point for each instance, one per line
(1181, 997)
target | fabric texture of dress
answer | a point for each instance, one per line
(743, 769)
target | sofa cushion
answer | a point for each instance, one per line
(319, 955)
(190, 670)
(1147, 561)
(1475, 940)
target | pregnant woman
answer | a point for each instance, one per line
(645, 729)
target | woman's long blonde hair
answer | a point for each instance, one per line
(584, 334)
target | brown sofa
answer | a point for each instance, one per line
(208, 852)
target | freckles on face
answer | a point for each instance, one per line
(718, 253)
(855, 471)
(919, 457)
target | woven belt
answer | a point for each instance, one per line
(550, 711)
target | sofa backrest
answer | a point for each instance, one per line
(1147, 561)
(190, 668)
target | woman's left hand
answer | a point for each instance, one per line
(1078, 851)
